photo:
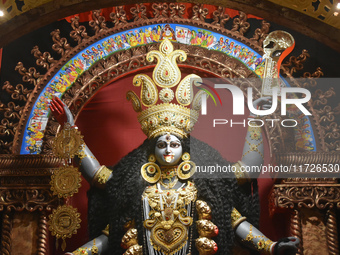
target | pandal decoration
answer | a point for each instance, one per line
(68, 142)
(65, 182)
(63, 223)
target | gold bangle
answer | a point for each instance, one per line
(236, 218)
(264, 246)
(241, 177)
(81, 251)
(101, 177)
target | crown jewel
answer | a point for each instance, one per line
(176, 118)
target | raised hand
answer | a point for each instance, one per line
(61, 112)
(262, 103)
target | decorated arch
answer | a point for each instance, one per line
(117, 48)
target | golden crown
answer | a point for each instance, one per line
(175, 118)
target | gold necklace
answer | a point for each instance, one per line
(168, 173)
(169, 185)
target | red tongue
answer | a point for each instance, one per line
(216, 230)
(215, 248)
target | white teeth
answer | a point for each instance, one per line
(168, 158)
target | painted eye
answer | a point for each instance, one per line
(174, 145)
(161, 145)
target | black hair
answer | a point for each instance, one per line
(121, 201)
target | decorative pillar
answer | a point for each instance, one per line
(332, 232)
(25, 200)
(312, 202)
(295, 228)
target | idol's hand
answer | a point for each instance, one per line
(262, 103)
(287, 246)
(61, 112)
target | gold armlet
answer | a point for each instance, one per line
(94, 248)
(236, 218)
(242, 177)
(264, 246)
(101, 177)
(81, 251)
(260, 242)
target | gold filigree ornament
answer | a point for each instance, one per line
(65, 181)
(187, 168)
(64, 222)
(176, 118)
(68, 143)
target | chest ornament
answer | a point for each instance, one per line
(168, 220)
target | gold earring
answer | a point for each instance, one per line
(150, 171)
(187, 168)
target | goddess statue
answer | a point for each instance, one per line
(152, 202)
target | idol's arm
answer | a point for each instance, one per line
(252, 156)
(254, 239)
(93, 172)
(101, 244)
(95, 246)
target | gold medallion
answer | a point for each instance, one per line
(68, 142)
(64, 222)
(65, 181)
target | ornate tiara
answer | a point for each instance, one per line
(166, 116)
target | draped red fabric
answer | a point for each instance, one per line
(0, 58)
(111, 130)
(87, 16)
